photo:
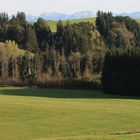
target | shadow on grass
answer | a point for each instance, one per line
(61, 93)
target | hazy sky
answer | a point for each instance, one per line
(35, 7)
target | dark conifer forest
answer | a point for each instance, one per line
(81, 55)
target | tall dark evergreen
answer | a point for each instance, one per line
(31, 39)
(17, 28)
(43, 33)
(4, 21)
(121, 71)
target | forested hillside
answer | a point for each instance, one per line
(74, 52)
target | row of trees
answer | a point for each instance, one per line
(73, 52)
(20, 67)
(26, 35)
(37, 36)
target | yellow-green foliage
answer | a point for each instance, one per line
(12, 49)
(138, 19)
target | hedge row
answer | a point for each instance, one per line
(121, 71)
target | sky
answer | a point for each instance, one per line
(36, 7)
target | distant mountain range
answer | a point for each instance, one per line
(78, 15)
(132, 15)
(61, 16)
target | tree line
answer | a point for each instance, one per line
(75, 52)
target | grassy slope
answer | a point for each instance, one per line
(52, 114)
(52, 24)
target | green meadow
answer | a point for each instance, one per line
(62, 114)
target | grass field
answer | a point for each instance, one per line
(58, 114)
